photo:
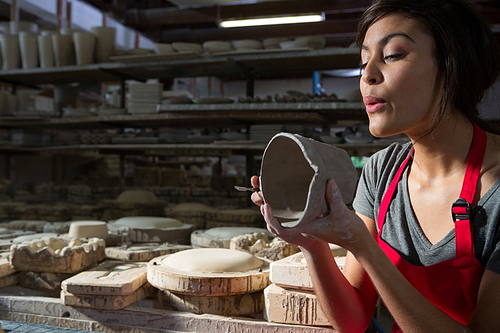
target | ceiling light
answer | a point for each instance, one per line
(272, 21)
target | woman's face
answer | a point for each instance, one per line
(400, 85)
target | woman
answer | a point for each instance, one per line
(425, 65)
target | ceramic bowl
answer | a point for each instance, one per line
(162, 48)
(138, 51)
(247, 44)
(217, 46)
(314, 42)
(273, 43)
(289, 44)
(187, 47)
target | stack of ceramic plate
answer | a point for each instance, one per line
(144, 97)
(27, 137)
(264, 133)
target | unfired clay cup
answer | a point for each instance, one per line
(45, 51)
(105, 42)
(84, 47)
(293, 177)
(28, 46)
(9, 45)
(61, 46)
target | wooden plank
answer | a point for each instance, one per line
(143, 316)
(108, 278)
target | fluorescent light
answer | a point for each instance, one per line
(272, 21)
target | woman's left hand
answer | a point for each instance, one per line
(342, 226)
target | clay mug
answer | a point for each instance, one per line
(293, 177)
(28, 46)
(84, 47)
(9, 45)
(105, 43)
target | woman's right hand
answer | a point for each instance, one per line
(297, 239)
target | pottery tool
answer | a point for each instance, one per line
(243, 188)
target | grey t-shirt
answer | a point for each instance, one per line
(401, 229)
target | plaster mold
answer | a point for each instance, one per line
(143, 251)
(147, 229)
(246, 217)
(221, 237)
(56, 255)
(233, 305)
(82, 229)
(292, 272)
(191, 213)
(261, 245)
(288, 306)
(209, 272)
(293, 177)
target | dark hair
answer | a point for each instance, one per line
(467, 55)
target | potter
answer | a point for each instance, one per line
(425, 230)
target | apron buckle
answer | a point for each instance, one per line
(461, 210)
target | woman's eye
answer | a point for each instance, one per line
(394, 56)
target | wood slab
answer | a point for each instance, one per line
(290, 306)
(37, 256)
(292, 272)
(145, 316)
(165, 277)
(107, 302)
(232, 305)
(108, 278)
(143, 252)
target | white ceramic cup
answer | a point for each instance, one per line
(84, 47)
(28, 46)
(61, 46)
(105, 43)
(9, 45)
(45, 51)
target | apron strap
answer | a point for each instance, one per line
(386, 200)
(462, 208)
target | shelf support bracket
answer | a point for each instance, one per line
(250, 84)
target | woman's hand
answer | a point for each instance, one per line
(272, 222)
(341, 226)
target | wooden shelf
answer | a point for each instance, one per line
(184, 149)
(204, 115)
(209, 65)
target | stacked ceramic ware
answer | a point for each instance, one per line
(144, 97)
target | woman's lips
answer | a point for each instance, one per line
(373, 103)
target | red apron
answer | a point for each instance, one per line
(451, 285)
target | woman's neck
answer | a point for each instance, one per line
(444, 151)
